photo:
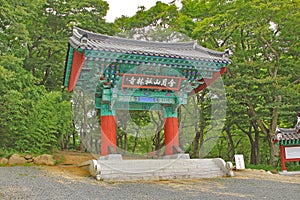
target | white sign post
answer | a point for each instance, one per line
(239, 161)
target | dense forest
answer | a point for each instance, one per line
(262, 85)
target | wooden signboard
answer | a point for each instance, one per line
(151, 82)
(289, 154)
(292, 152)
(239, 161)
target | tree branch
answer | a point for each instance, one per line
(274, 74)
(253, 113)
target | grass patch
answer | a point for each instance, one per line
(28, 164)
(6, 154)
(263, 167)
(59, 159)
(290, 166)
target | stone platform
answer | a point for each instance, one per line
(289, 173)
(157, 169)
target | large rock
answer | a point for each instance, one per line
(16, 159)
(3, 161)
(44, 159)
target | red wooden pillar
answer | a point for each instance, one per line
(282, 156)
(77, 63)
(171, 130)
(108, 132)
(171, 134)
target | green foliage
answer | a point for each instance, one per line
(7, 152)
(49, 120)
(32, 120)
(59, 159)
(140, 118)
(35, 115)
(262, 82)
(159, 15)
(262, 85)
(263, 167)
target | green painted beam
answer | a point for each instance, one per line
(289, 142)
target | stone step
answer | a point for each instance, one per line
(161, 172)
(135, 168)
(156, 169)
(168, 176)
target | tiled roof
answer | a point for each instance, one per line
(186, 50)
(287, 136)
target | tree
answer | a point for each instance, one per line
(256, 33)
(49, 25)
(152, 24)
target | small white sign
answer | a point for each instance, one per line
(292, 152)
(239, 161)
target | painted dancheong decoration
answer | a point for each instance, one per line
(288, 140)
(128, 74)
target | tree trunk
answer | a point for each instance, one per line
(157, 140)
(74, 134)
(268, 131)
(202, 153)
(195, 148)
(274, 153)
(83, 135)
(136, 139)
(256, 143)
(230, 144)
(125, 142)
(198, 143)
(180, 128)
(97, 146)
(252, 144)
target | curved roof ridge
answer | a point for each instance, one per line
(201, 48)
(114, 39)
(188, 50)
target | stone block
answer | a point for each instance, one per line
(159, 169)
(44, 159)
(16, 159)
(3, 161)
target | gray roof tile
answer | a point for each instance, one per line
(187, 50)
(283, 134)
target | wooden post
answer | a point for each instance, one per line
(282, 156)
(171, 131)
(77, 63)
(108, 131)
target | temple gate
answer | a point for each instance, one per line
(139, 75)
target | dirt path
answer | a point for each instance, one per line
(68, 166)
(68, 169)
(67, 181)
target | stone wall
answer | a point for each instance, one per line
(17, 159)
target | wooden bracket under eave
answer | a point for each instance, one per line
(209, 81)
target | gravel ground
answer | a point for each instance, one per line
(36, 183)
